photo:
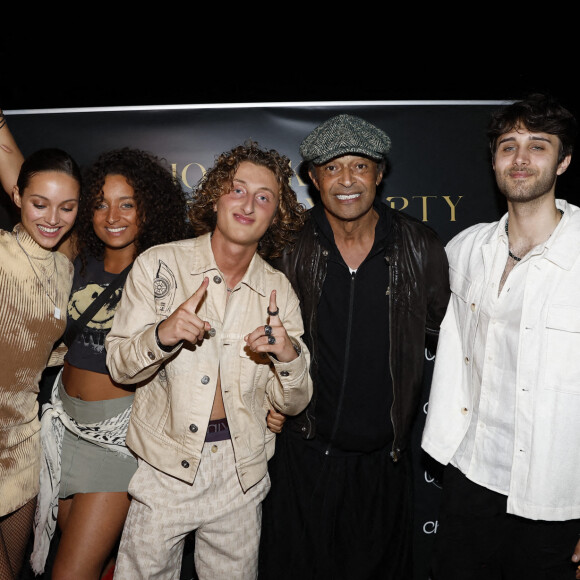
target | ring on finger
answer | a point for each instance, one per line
(271, 339)
(267, 330)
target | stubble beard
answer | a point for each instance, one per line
(525, 190)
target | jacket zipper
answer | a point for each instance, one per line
(346, 359)
(394, 454)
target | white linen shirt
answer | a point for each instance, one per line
(505, 394)
(176, 390)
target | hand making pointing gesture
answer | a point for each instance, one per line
(204, 417)
(184, 323)
(272, 337)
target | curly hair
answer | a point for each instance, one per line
(160, 200)
(218, 180)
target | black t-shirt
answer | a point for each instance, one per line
(87, 351)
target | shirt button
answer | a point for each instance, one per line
(204, 380)
(466, 360)
(151, 355)
(214, 448)
(472, 307)
(284, 374)
(464, 411)
(217, 279)
(193, 428)
(185, 464)
(211, 332)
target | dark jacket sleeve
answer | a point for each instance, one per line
(437, 268)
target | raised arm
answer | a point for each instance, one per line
(11, 160)
(11, 157)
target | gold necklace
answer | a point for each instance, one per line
(56, 308)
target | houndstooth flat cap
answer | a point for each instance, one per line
(343, 135)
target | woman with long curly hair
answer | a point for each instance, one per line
(131, 201)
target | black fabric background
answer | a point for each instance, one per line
(439, 159)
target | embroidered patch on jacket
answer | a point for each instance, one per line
(164, 287)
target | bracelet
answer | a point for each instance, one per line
(163, 347)
(296, 346)
(2, 120)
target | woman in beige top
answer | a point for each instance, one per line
(35, 283)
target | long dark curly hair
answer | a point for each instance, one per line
(218, 180)
(160, 200)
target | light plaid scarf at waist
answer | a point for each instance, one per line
(53, 421)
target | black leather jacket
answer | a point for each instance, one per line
(418, 297)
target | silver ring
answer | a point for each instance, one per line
(275, 313)
(267, 330)
(271, 340)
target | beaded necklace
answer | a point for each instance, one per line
(511, 255)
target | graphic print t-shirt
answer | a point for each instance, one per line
(88, 348)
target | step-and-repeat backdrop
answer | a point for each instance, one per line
(439, 171)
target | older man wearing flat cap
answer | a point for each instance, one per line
(373, 285)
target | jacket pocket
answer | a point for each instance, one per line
(460, 289)
(563, 348)
(253, 365)
(459, 284)
(255, 373)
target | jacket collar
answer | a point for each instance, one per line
(382, 228)
(203, 262)
(563, 246)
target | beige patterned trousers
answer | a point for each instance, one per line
(165, 509)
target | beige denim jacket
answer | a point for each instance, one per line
(175, 392)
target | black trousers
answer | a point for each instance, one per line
(478, 540)
(336, 518)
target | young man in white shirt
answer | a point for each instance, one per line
(505, 396)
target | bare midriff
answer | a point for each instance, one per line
(91, 386)
(218, 410)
